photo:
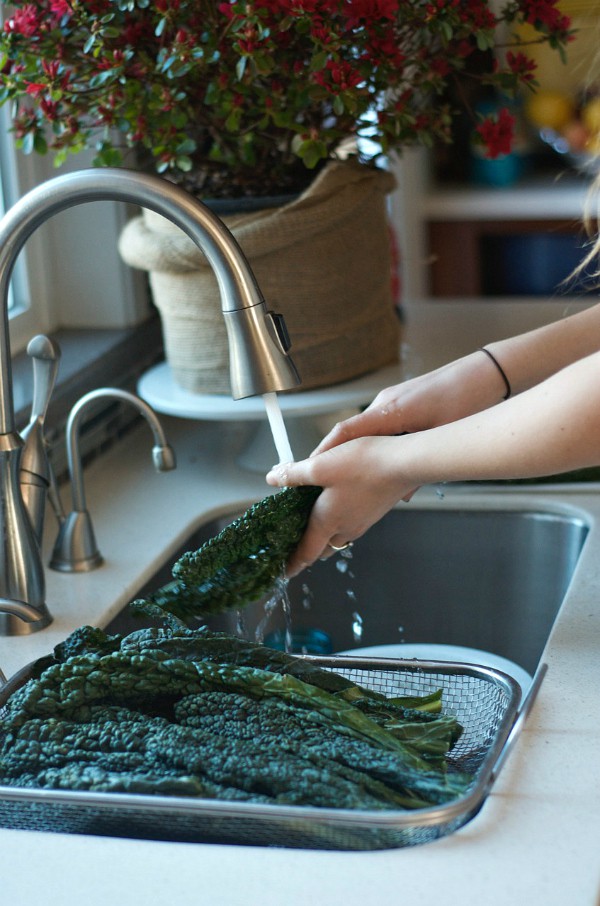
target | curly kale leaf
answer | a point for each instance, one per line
(218, 647)
(241, 563)
(86, 640)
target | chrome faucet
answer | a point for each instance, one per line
(259, 360)
(76, 550)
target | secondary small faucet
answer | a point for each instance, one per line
(76, 550)
(258, 347)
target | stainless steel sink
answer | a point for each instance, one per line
(491, 579)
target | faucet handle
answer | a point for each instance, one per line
(35, 470)
(45, 353)
(280, 329)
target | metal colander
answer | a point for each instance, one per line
(485, 701)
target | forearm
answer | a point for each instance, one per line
(551, 428)
(532, 357)
(474, 383)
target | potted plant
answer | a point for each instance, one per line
(261, 98)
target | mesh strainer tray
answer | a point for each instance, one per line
(485, 701)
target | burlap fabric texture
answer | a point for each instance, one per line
(323, 260)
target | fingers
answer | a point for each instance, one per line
(369, 423)
(285, 475)
(339, 434)
(313, 548)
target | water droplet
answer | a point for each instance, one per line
(439, 491)
(351, 595)
(357, 627)
(341, 566)
(240, 624)
(308, 597)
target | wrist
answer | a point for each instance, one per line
(500, 371)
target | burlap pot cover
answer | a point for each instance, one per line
(324, 260)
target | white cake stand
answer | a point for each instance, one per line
(300, 409)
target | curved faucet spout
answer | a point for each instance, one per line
(76, 549)
(259, 362)
(259, 359)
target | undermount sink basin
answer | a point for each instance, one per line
(490, 579)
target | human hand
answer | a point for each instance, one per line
(360, 484)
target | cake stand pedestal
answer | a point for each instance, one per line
(301, 410)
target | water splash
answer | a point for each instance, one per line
(342, 563)
(278, 597)
(278, 429)
(287, 614)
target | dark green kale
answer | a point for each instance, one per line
(174, 712)
(401, 716)
(241, 563)
(86, 640)
(140, 746)
(398, 715)
(241, 717)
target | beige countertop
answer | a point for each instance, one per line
(534, 841)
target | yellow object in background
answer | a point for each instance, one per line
(590, 116)
(550, 109)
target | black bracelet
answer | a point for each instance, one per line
(501, 370)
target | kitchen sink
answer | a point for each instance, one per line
(480, 577)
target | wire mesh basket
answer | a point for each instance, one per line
(485, 701)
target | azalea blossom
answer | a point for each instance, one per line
(252, 96)
(497, 133)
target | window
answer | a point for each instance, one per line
(70, 273)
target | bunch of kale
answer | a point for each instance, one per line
(175, 711)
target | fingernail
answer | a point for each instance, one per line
(279, 473)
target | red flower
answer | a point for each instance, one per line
(545, 14)
(497, 132)
(338, 76)
(60, 8)
(23, 21)
(369, 10)
(35, 89)
(521, 65)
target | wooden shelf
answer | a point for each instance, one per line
(443, 229)
(559, 197)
